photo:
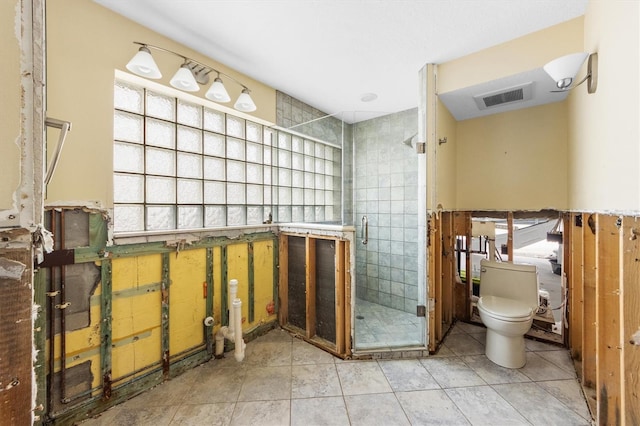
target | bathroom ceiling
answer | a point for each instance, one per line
(330, 53)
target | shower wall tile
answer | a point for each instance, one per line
(385, 190)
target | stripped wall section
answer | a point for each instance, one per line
(603, 275)
(145, 316)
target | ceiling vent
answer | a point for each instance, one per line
(520, 93)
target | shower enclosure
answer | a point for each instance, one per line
(386, 213)
(380, 198)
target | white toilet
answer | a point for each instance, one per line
(508, 301)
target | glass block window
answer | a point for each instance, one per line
(181, 165)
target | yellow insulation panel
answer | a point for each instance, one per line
(263, 254)
(136, 313)
(238, 268)
(217, 288)
(187, 299)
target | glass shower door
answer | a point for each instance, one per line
(386, 219)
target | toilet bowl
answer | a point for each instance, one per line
(507, 304)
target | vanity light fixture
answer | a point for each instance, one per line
(563, 71)
(190, 76)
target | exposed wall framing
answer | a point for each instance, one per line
(603, 275)
(145, 314)
(314, 290)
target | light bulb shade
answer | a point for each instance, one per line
(184, 80)
(244, 102)
(564, 69)
(143, 64)
(217, 92)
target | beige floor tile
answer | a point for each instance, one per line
(308, 381)
(306, 353)
(493, 373)
(538, 406)
(362, 378)
(263, 413)
(569, 392)
(482, 405)
(198, 414)
(407, 375)
(464, 344)
(431, 407)
(319, 411)
(381, 409)
(266, 383)
(452, 372)
(539, 369)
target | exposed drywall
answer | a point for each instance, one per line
(10, 130)
(522, 54)
(513, 161)
(445, 158)
(604, 131)
(86, 43)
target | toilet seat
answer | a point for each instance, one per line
(505, 309)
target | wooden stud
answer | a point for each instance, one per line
(166, 284)
(589, 311)
(630, 322)
(311, 286)
(437, 275)
(510, 236)
(283, 281)
(431, 283)
(347, 297)
(251, 284)
(608, 341)
(576, 284)
(340, 307)
(105, 327)
(448, 278)
(224, 287)
(209, 308)
(468, 268)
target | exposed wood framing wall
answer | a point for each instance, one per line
(448, 297)
(301, 316)
(603, 275)
(144, 314)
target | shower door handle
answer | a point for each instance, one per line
(364, 234)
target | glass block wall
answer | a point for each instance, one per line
(180, 165)
(304, 119)
(386, 178)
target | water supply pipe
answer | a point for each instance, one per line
(234, 330)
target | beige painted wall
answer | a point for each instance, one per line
(86, 43)
(522, 54)
(513, 161)
(604, 136)
(10, 133)
(446, 158)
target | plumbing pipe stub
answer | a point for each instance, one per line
(208, 321)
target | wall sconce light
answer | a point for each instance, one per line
(563, 71)
(190, 76)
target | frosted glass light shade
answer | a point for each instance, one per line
(143, 64)
(217, 92)
(184, 80)
(244, 102)
(564, 69)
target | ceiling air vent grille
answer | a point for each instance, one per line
(500, 97)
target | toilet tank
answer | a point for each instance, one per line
(509, 280)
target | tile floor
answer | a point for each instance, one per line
(285, 381)
(380, 327)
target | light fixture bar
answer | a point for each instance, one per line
(200, 74)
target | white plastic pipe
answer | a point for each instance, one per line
(235, 324)
(239, 342)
